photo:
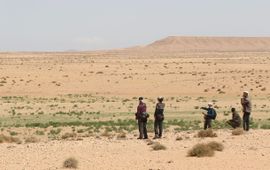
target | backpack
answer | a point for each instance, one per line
(213, 114)
(144, 116)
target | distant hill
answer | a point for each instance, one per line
(210, 44)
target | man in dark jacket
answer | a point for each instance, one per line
(208, 116)
(142, 116)
(159, 117)
(246, 107)
(235, 122)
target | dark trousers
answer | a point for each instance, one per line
(207, 123)
(158, 126)
(142, 129)
(233, 124)
(246, 121)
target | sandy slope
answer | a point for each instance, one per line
(221, 44)
(249, 151)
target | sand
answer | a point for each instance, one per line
(248, 151)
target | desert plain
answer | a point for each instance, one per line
(81, 105)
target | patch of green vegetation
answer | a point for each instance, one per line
(55, 131)
(12, 133)
(40, 132)
(183, 124)
(265, 126)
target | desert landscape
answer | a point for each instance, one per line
(81, 105)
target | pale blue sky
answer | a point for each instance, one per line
(58, 25)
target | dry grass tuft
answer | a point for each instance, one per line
(150, 142)
(121, 135)
(70, 163)
(31, 139)
(157, 146)
(201, 150)
(216, 146)
(206, 133)
(237, 131)
(106, 134)
(68, 135)
(178, 138)
(9, 139)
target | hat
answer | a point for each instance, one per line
(140, 98)
(160, 98)
(246, 92)
(210, 104)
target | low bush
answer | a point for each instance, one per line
(206, 133)
(70, 163)
(157, 146)
(216, 146)
(237, 132)
(201, 150)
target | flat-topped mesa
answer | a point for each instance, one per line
(211, 44)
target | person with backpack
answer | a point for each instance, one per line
(235, 122)
(159, 117)
(246, 107)
(141, 117)
(211, 114)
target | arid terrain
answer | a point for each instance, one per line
(81, 104)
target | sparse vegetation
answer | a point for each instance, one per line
(31, 139)
(39, 132)
(9, 139)
(68, 135)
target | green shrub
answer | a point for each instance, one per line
(265, 126)
(13, 133)
(55, 132)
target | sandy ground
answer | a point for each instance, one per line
(248, 151)
(186, 80)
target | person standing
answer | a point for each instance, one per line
(159, 117)
(141, 117)
(235, 122)
(211, 114)
(246, 107)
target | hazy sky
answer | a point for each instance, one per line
(57, 25)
